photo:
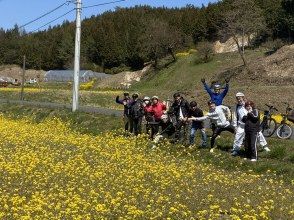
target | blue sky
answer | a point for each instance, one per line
(22, 11)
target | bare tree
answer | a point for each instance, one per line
(159, 40)
(244, 18)
(205, 51)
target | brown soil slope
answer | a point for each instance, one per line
(269, 81)
(15, 72)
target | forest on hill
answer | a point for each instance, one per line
(128, 37)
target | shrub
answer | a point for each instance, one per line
(273, 45)
(205, 51)
(117, 69)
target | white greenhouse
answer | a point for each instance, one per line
(67, 75)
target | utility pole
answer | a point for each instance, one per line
(23, 77)
(75, 100)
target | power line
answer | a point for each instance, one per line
(90, 6)
(106, 3)
(53, 20)
(38, 18)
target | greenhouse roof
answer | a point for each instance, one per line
(69, 73)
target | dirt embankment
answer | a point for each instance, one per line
(15, 72)
(277, 68)
(124, 79)
(270, 79)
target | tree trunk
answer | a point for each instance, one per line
(103, 66)
(240, 52)
(243, 41)
(249, 40)
(170, 50)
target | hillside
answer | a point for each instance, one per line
(263, 84)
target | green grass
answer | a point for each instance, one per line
(64, 96)
(185, 74)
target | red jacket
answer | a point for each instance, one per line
(148, 109)
(158, 109)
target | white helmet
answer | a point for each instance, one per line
(146, 98)
(240, 94)
(164, 118)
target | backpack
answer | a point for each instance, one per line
(137, 109)
(228, 113)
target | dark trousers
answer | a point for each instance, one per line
(155, 128)
(127, 123)
(181, 129)
(218, 130)
(136, 125)
(250, 144)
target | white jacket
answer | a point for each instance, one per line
(239, 113)
(218, 116)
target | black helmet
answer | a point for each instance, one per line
(135, 95)
(193, 104)
(177, 94)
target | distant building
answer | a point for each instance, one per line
(67, 76)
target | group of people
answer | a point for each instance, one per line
(243, 120)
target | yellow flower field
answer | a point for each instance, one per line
(51, 172)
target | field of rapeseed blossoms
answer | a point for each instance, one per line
(49, 171)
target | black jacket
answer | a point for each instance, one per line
(127, 106)
(184, 105)
(196, 113)
(252, 121)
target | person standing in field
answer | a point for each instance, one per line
(126, 102)
(252, 124)
(238, 114)
(147, 113)
(217, 114)
(195, 112)
(136, 114)
(216, 95)
(180, 108)
(158, 109)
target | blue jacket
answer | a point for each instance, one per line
(217, 98)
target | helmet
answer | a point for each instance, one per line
(135, 95)
(177, 94)
(240, 94)
(193, 104)
(146, 98)
(155, 97)
(164, 118)
(216, 86)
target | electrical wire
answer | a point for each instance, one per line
(38, 18)
(37, 29)
(90, 6)
(106, 3)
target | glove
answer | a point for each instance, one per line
(203, 80)
(227, 80)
